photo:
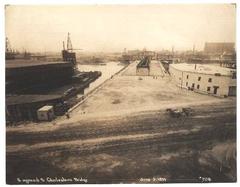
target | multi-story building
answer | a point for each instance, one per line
(206, 79)
(223, 54)
(219, 48)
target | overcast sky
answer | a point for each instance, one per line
(115, 27)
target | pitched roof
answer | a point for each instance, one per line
(27, 99)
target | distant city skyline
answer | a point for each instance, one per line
(111, 28)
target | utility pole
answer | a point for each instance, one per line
(182, 80)
(172, 51)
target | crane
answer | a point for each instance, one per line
(68, 54)
(69, 44)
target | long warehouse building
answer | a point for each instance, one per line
(207, 79)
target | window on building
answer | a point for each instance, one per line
(198, 86)
(199, 78)
(234, 75)
(208, 89)
(187, 76)
(193, 85)
(186, 83)
(210, 80)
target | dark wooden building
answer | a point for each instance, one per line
(24, 107)
(23, 75)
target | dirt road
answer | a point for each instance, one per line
(123, 134)
(147, 147)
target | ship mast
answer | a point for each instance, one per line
(69, 43)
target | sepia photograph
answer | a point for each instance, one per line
(120, 93)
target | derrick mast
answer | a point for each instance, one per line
(67, 54)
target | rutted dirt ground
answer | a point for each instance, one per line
(126, 149)
(138, 146)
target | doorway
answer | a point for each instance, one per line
(232, 91)
(215, 88)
